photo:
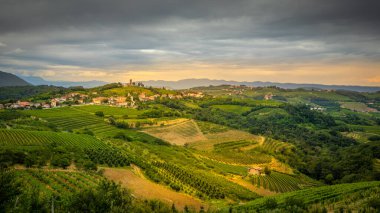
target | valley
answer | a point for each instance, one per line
(237, 149)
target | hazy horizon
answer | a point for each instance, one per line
(306, 42)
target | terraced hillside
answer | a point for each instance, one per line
(73, 118)
(349, 197)
(278, 182)
(275, 146)
(19, 138)
(179, 134)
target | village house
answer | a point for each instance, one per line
(99, 100)
(317, 108)
(120, 101)
(194, 94)
(46, 106)
(255, 171)
(268, 96)
(142, 97)
(54, 103)
(23, 104)
(37, 104)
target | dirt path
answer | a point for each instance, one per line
(146, 189)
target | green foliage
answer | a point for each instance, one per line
(99, 113)
(108, 156)
(107, 197)
(302, 200)
(9, 188)
(26, 92)
(279, 182)
(270, 203)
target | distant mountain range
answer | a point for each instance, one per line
(189, 83)
(8, 79)
(40, 81)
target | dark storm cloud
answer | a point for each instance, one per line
(282, 17)
(102, 34)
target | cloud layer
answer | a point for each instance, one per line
(315, 41)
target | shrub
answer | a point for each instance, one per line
(270, 203)
(99, 113)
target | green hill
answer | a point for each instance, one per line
(8, 79)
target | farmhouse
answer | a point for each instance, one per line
(54, 102)
(99, 100)
(23, 103)
(268, 96)
(255, 171)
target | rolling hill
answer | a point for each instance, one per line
(190, 83)
(8, 79)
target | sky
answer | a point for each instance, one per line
(298, 41)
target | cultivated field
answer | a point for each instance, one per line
(357, 106)
(324, 194)
(181, 133)
(57, 183)
(13, 138)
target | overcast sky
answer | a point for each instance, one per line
(301, 41)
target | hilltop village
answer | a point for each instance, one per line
(119, 95)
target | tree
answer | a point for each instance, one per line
(106, 197)
(329, 178)
(9, 188)
(270, 203)
(267, 171)
(99, 114)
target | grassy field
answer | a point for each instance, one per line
(141, 187)
(222, 136)
(357, 106)
(110, 110)
(123, 91)
(209, 128)
(233, 108)
(368, 129)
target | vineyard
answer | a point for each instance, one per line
(376, 165)
(66, 118)
(233, 108)
(223, 168)
(209, 128)
(57, 183)
(201, 185)
(71, 118)
(278, 182)
(181, 133)
(233, 145)
(12, 138)
(111, 157)
(238, 157)
(108, 110)
(321, 194)
(274, 146)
